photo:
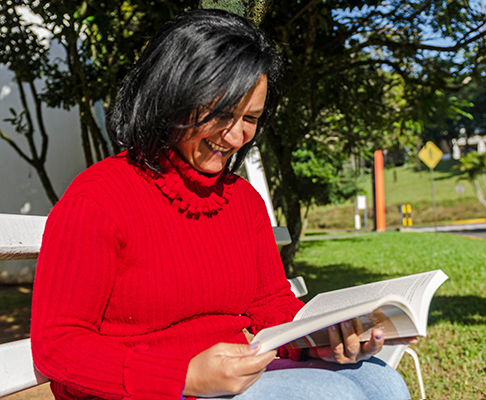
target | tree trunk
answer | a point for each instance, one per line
(88, 157)
(306, 219)
(290, 197)
(46, 183)
(291, 211)
(294, 225)
(419, 163)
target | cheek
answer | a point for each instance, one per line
(249, 133)
(186, 148)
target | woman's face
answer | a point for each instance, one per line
(215, 142)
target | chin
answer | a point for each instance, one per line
(211, 170)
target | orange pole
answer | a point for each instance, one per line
(379, 192)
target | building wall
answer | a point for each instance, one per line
(21, 190)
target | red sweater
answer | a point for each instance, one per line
(138, 273)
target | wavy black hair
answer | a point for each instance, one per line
(201, 58)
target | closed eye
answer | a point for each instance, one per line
(251, 119)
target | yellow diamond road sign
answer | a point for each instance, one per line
(430, 154)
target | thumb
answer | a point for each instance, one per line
(238, 350)
(250, 349)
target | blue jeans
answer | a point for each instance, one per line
(316, 379)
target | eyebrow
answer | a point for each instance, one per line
(256, 111)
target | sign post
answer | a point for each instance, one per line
(361, 205)
(430, 155)
(379, 191)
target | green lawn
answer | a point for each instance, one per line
(407, 185)
(453, 356)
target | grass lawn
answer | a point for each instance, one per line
(407, 185)
(453, 356)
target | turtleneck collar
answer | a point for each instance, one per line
(193, 192)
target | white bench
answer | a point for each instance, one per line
(21, 237)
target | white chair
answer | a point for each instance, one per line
(20, 238)
(392, 356)
(17, 370)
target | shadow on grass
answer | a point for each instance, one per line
(337, 276)
(15, 312)
(463, 310)
(15, 296)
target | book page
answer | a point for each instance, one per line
(410, 288)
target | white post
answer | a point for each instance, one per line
(256, 176)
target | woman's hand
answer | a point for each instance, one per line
(345, 347)
(225, 369)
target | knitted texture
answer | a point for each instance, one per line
(139, 272)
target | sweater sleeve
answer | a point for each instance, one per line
(81, 251)
(274, 302)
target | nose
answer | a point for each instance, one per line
(234, 135)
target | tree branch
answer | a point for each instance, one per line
(40, 122)
(16, 147)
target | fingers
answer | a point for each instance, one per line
(409, 340)
(352, 345)
(225, 369)
(345, 346)
(374, 345)
(250, 365)
(235, 350)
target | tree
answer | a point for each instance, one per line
(474, 165)
(472, 121)
(27, 57)
(347, 64)
(101, 40)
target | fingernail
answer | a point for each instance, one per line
(254, 345)
(379, 336)
(333, 327)
(347, 324)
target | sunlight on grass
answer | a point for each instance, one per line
(453, 356)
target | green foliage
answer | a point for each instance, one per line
(366, 75)
(321, 181)
(473, 165)
(100, 40)
(240, 7)
(453, 362)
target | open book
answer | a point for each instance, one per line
(399, 306)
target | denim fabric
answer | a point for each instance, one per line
(316, 379)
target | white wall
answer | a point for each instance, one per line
(20, 188)
(18, 180)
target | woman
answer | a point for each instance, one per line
(155, 261)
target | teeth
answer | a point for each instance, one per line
(214, 146)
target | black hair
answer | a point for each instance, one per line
(200, 58)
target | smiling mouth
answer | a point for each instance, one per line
(217, 148)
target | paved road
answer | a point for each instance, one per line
(477, 230)
(474, 233)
